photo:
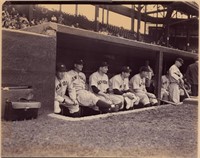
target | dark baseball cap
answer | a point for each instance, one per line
(126, 69)
(60, 67)
(78, 61)
(102, 64)
(180, 60)
(145, 68)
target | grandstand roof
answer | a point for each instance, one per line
(188, 8)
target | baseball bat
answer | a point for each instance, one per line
(183, 87)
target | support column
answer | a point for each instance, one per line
(132, 17)
(76, 10)
(102, 15)
(30, 9)
(139, 20)
(107, 15)
(188, 36)
(60, 8)
(145, 10)
(96, 18)
(158, 74)
(167, 36)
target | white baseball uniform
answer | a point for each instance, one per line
(122, 84)
(149, 77)
(102, 83)
(174, 76)
(137, 85)
(84, 97)
(165, 87)
(60, 89)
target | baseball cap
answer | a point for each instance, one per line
(180, 60)
(126, 69)
(78, 61)
(102, 64)
(145, 68)
(60, 67)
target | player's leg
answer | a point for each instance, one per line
(144, 100)
(74, 110)
(174, 93)
(117, 100)
(153, 100)
(57, 108)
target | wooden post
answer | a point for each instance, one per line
(30, 9)
(188, 36)
(76, 10)
(167, 36)
(60, 8)
(132, 17)
(102, 15)
(158, 74)
(139, 20)
(107, 15)
(145, 10)
(96, 18)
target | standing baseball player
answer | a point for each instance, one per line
(137, 86)
(85, 97)
(175, 79)
(63, 84)
(99, 84)
(192, 77)
(120, 86)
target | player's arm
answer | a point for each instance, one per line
(71, 91)
(116, 86)
(175, 74)
(58, 98)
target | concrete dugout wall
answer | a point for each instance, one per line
(29, 59)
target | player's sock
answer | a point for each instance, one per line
(147, 105)
(155, 104)
(103, 105)
(75, 114)
(138, 106)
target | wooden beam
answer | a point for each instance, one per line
(158, 74)
(159, 10)
(144, 17)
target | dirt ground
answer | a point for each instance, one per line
(170, 131)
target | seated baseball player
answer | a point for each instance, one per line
(120, 86)
(85, 97)
(62, 84)
(137, 85)
(99, 84)
(165, 87)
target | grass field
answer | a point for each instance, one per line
(167, 132)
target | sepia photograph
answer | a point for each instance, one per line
(99, 79)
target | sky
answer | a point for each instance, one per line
(114, 18)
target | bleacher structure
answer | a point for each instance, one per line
(41, 46)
